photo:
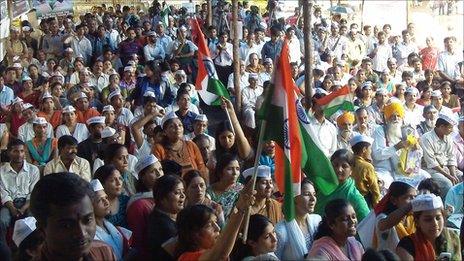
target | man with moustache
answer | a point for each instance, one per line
(439, 155)
(67, 160)
(430, 116)
(363, 126)
(345, 130)
(89, 148)
(388, 141)
(62, 205)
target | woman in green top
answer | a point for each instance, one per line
(112, 86)
(342, 162)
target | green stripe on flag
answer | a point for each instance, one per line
(345, 106)
(289, 203)
(215, 86)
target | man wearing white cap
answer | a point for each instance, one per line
(244, 79)
(22, 229)
(439, 156)
(437, 101)
(266, 75)
(123, 115)
(6, 95)
(152, 51)
(71, 127)
(89, 148)
(200, 126)
(430, 115)
(26, 131)
(459, 144)
(412, 110)
(264, 203)
(249, 96)
(17, 179)
(68, 161)
(68, 60)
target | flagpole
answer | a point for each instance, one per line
(259, 150)
(230, 121)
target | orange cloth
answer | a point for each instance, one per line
(423, 248)
(394, 107)
(82, 117)
(272, 210)
(191, 256)
(189, 157)
(54, 120)
(346, 117)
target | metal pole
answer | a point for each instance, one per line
(308, 56)
(210, 13)
(236, 57)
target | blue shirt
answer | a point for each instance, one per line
(6, 96)
(187, 120)
(270, 50)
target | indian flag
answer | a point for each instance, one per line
(279, 110)
(164, 14)
(341, 99)
(207, 83)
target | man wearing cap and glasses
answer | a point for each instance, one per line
(439, 156)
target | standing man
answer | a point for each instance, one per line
(68, 161)
(448, 61)
(80, 44)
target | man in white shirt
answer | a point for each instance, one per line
(123, 115)
(406, 48)
(294, 46)
(80, 44)
(381, 53)
(243, 79)
(412, 110)
(222, 55)
(17, 179)
(249, 97)
(345, 123)
(68, 161)
(448, 60)
(99, 79)
(152, 51)
(325, 130)
(336, 42)
(268, 70)
(249, 47)
(437, 101)
(439, 157)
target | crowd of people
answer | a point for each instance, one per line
(107, 152)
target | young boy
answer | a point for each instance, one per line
(363, 170)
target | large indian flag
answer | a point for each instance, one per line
(207, 83)
(279, 110)
(341, 99)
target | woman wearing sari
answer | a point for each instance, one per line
(335, 235)
(342, 162)
(295, 238)
(48, 110)
(432, 240)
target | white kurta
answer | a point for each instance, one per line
(249, 97)
(81, 132)
(413, 117)
(26, 131)
(326, 133)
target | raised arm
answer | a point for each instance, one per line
(243, 146)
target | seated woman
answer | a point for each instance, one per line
(71, 127)
(173, 147)
(112, 86)
(342, 162)
(230, 139)
(48, 110)
(107, 232)
(199, 236)
(28, 94)
(168, 193)
(14, 119)
(196, 194)
(117, 155)
(264, 203)
(390, 220)
(295, 238)
(141, 204)
(226, 189)
(110, 178)
(432, 240)
(335, 235)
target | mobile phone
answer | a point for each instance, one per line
(444, 256)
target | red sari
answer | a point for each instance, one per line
(54, 120)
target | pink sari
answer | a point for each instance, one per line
(327, 249)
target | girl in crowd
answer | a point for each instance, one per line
(199, 235)
(390, 221)
(49, 111)
(226, 190)
(169, 196)
(107, 232)
(335, 235)
(112, 86)
(261, 240)
(230, 139)
(71, 127)
(342, 162)
(449, 100)
(196, 194)
(365, 96)
(296, 238)
(141, 204)
(116, 154)
(264, 203)
(173, 147)
(432, 240)
(112, 182)
(28, 94)
(426, 97)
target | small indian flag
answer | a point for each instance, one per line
(207, 83)
(341, 99)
